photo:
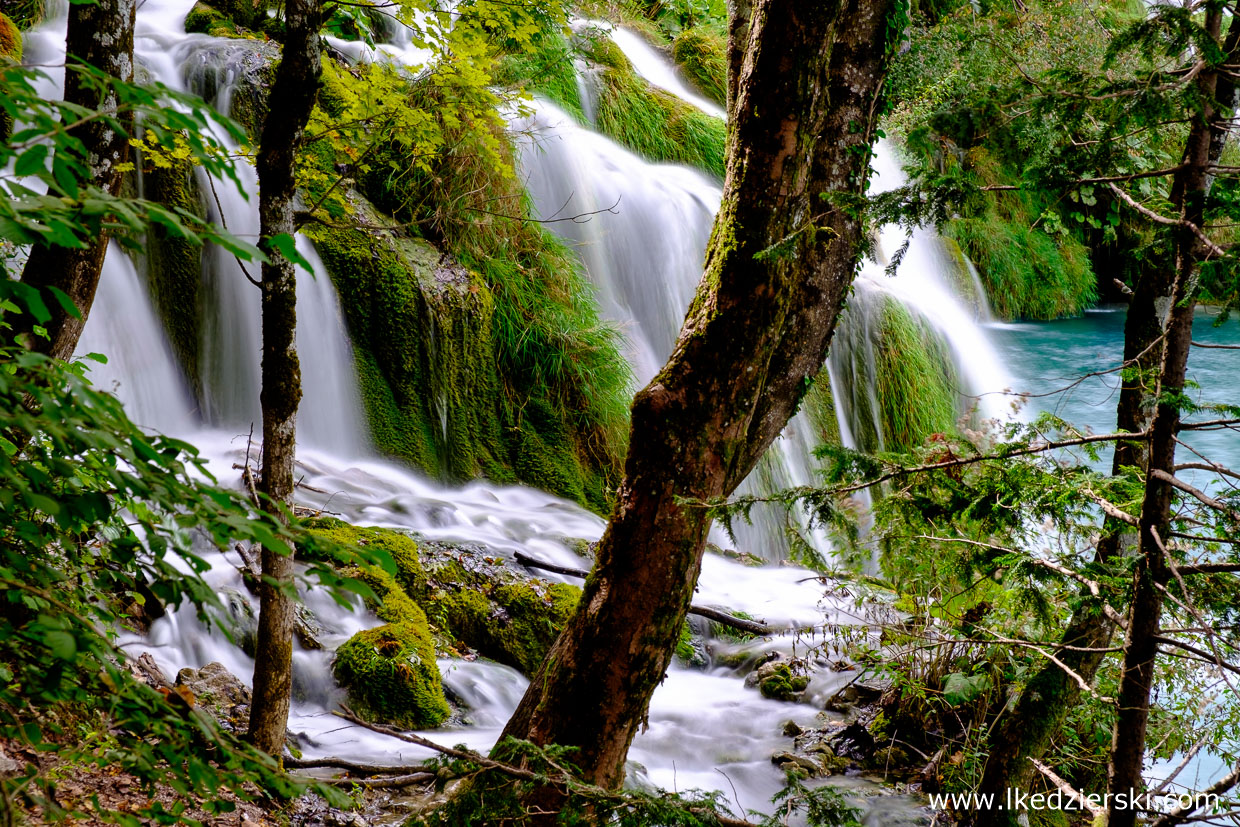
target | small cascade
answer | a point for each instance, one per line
(141, 368)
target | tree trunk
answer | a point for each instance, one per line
(1189, 191)
(76, 271)
(780, 261)
(292, 99)
(1037, 714)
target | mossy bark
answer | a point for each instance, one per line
(75, 271)
(778, 268)
(292, 99)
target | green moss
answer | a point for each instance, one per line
(25, 15)
(175, 264)
(10, 39)
(702, 55)
(1027, 273)
(205, 18)
(546, 70)
(655, 123)
(916, 382)
(819, 404)
(391, 675)
(410, 575)
(782, 685)
(515, 623)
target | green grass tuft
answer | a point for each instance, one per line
(702, 55)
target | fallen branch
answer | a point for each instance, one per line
(353, 766)
(395, 782)
(1067, 789)
(723, 618)
(508, 769)
(1111, 510)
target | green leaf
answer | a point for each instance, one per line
(31, 162)
(960, 689)
(62, 645)
(286, 246)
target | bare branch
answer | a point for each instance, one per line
(1067, 789)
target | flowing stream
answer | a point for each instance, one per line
(706, 728)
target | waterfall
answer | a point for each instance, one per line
(141, 369)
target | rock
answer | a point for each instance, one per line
(220, 693)
(776, 681)
(764, 667)
(307, 627)
(7, 765)
(853, 741)
(787, 760)
(242, 621)
(391, 674)
(792, 729)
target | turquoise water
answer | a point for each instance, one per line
(1047, 358)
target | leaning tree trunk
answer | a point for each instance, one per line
(780, 261)
(292, 99)
(1189, 191)
(1038, 713)
(75, 271)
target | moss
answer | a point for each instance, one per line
(702, 55)
(410, 574)
(175, 264)
(10, 39)
(546, 69)
(24, 15)
(819, 406)
(391, 674)
(916, 382)
(10, 47)
(515, 623)
(205, 18)
(655, 123)
(782, 685)
(1027, 273)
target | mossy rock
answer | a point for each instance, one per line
(205, 18)
(391, 675)
(514, 623)
(702, 55)
(781, 685)
(10, 39)
(22, 14)
(175, 264)
(410, 575)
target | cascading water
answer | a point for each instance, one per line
(642, 237)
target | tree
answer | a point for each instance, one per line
(778, 268)
(73, 271)
(292, 98)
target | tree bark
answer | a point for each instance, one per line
(1039, 711)
(780, 261)
(292, 98)
(1189, 191)
(100, 35)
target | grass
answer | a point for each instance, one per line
(916, 381)
(650, 121)
(702, 54)
(547, 70)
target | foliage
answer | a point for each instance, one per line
(97, 517)
(702, 54)
(51, 200)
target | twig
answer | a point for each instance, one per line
(1067, 789)
(739, 623)
(1202, 497)
(1181, 814)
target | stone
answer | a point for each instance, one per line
(219, 692)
